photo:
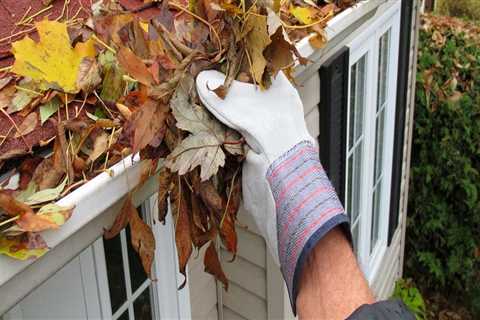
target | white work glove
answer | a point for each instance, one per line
(285, 187)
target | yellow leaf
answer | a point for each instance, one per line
(52, 59)
(14, 249)
(257, 38)
(304, 15)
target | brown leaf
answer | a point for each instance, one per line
(26, 170)
(210, 196)
(28, 125)
(100, 146)
(213, 266)
(32, 222)
(143, 240)
(122, 219)
(6, 95)
(183, 238)
(135, 66)
(147, 122)
(11, 206)
(278, 53)
(164, 186)
(257, 39)
(88, 75)
(227, 224)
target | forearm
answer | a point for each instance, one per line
(332, 285)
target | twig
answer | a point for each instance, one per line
(103, 104)
(6, 69)
(28, 91)
(229, 197)
(9, 220)
(94, 37)
(17, 34)
(29, 19)
(202, 20)
(6, 136)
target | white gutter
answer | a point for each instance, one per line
(97, 202)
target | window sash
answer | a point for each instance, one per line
(371, 230)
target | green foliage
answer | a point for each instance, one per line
(411, 296)
(460, 8)
(443, 236)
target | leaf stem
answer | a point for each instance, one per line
(9, 220)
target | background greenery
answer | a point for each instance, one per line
(459, 8)
(443, 235)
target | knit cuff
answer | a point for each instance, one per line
(307, 209)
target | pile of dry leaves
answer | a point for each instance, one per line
(91, 91)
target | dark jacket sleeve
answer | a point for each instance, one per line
(384, 310)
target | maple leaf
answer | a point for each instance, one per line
(257, 39)
(305, 15)
(202, 150)
(52, 59)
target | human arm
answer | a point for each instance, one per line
(290, 196)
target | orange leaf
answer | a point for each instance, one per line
(147, 122)
(134, 66)
(164, 187)
(143, 240)
(30, 221)
(122, 219)
(11, 206)
(182, 231)
(213, 266)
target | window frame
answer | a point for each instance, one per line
(367, 43)
(167, 302)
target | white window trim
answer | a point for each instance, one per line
(367, 43)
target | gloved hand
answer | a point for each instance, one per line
(285, 187)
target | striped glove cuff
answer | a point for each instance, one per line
(307, 209)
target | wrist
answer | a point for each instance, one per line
(307, 208)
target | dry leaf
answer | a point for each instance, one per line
(11, 206)
(202, 150)
(100, 145)
(88, 75)
(183, 238)
(213, 266)
(257, 40)
(17, 248)
(134, 66)
(164, 186)
(147, 122)
(122, 219)
(52, 59)
(28, 125)
(143, 240)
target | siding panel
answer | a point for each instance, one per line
(244, 303)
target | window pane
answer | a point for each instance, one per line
(124, 316)
(353, 92)
(360, 99)
(384, 53)
(355, 236)
(142, 306)
(137, 273)
(357, 172)
(380, 128)
(349, 187)
(116, 276)
(374, 234)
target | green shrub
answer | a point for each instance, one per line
(411, 296)
(443, 235)
(460, 8)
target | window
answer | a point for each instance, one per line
(125, 292)
(369, 143)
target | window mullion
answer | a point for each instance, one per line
(126, 270)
